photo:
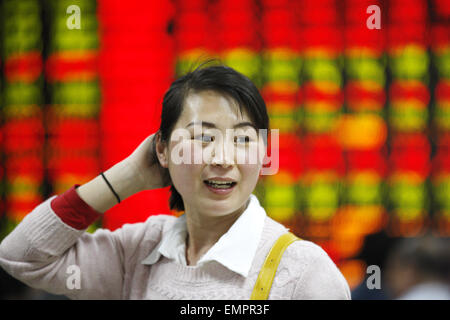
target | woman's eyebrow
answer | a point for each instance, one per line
(245, 124)
(212, 125)
(202, 123)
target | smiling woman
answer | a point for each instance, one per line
(212, 116)
(216, 97)
(211, 120)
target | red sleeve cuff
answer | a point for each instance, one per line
(72, 210)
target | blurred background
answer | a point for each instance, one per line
(363, 114)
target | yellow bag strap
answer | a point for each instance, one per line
(269, 268)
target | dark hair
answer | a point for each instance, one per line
(217, 78)
(428, 255)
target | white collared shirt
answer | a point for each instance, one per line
(235, 249)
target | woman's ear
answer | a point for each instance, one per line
(161, 151)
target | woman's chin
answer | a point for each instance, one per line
(220, 207)
(217, 208)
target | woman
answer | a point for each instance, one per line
(215, 250)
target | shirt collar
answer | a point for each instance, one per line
(172, 244)
(235, 249)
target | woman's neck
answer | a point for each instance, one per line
(204, 231)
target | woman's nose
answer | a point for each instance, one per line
(223, 154)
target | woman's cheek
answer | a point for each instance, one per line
(185, 177)
(183, 152)
(250, 154)
(183, 169)
(249, 175)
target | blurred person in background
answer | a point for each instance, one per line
(375, 251)
(419, 269)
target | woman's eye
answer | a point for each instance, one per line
(204, 138)
(242, 139)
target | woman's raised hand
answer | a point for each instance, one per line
(138, 172)
(144, 161)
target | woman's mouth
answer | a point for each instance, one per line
(220, 187)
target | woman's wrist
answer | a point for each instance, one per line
(122, 178)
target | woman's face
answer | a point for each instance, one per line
(213, 143)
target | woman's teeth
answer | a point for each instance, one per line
(220, 184)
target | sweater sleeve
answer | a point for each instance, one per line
(321, 279)
(48, 251)
(73, 211)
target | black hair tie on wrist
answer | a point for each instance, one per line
(109, 185)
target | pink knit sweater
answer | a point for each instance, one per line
(45, 252)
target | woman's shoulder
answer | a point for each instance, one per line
(308, 252)
(146, 234)
(318, 275)
(309, 266)
(150, 229)
(302, 250)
